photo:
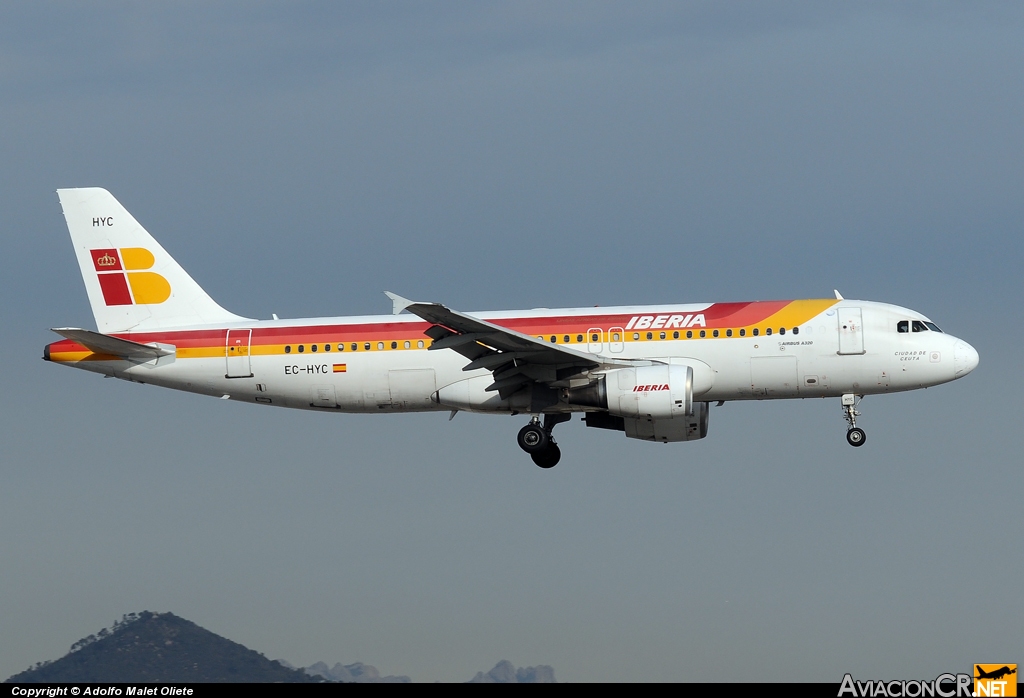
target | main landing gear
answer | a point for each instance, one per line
(537, 440)
(855, 436)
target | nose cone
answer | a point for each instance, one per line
(965, 359)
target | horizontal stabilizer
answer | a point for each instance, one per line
(105, 344)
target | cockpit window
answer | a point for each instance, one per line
(903, 326)
(918, 326)
(933, 327)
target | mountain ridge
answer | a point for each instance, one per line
(150, 647)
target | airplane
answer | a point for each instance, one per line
(652, 372)
(995, 674)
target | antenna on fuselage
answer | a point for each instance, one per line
(839, 296)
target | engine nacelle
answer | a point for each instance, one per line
(681, 428)
(661, 391)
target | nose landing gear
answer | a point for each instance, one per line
(538, 441)
(855, 436)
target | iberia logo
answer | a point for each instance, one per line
(995, 680)
(123, 279)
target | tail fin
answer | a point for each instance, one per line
(133, 284)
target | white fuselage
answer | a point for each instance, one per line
(385, 364)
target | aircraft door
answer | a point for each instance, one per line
(236, 349)
(851, 331)
(616, 337)
(595, 340)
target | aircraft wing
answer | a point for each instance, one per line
(515, 359)
(114, 346)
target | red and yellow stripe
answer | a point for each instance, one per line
(196, 344)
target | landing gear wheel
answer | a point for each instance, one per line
(533, 439)
(548, 458)
(856, 436)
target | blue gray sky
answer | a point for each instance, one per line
(300, 158)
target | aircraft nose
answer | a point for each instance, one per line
(965, 359)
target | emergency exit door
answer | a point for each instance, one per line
(237, 352)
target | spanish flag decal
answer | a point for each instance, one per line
(340, 368)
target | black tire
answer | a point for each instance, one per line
(532, 438)
(856, 437)
(548, 458)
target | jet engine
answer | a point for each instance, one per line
(661, 391)
(653, 403)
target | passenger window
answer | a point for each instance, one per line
(768, 332)
(756, 331)
(313, 348)
(419, 344)
(579, 338)
(903, 326)
(394, 345)
(796, 330)
(743, 333)
(728, 333)
(366, 346)
(782, 330)
(380, 345)
(597, 338)
(288, 349)
(302, 348)
(661, 335)
(918, 326)
(636, 336)
(675, 335)
(407, 344)
(341, 347)
(714, 333)
(355, 347)
(703, 334)
(689, 334)
(565, 339)
(327, 347)
(554, 339)
(615, 337)
(650, 335)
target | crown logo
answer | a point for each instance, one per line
(106, 260)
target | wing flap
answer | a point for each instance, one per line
(495, 362)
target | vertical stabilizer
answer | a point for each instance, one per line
(133, 284)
